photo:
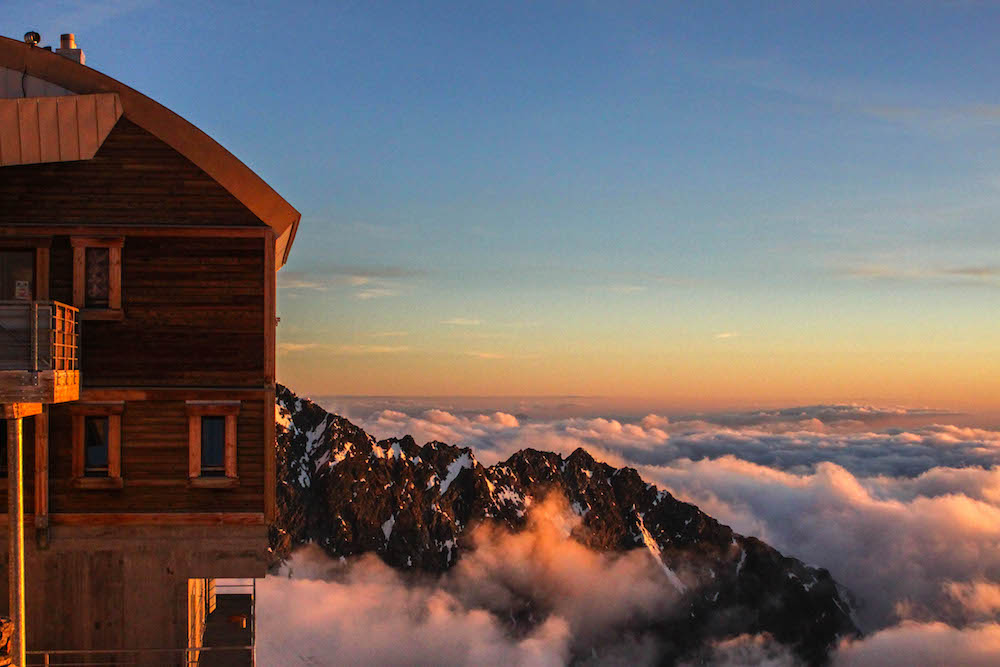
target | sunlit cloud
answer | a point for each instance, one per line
(390, 334)
(726, 334)
(486, 355)
(362, 612)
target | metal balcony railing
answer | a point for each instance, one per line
(39, 336)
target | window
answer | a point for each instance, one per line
(212, 443)
(24, 268)
(96, 263)
(17, 275)
(213, 446)
(97, 277)
(97, 445)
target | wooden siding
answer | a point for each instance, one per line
(55, 129)
(154, 463)
(193, 315)
(134, 179)
(95, 587)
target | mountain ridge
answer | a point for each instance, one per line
(416, 507)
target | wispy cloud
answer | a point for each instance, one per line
(900, 104)
(481, 354)
(955, 275)
(625, 289)
(390, 334)
(284, 348)
(486, 355)
(356, 349)
(368, 282)
(461, 322)
(375, 293)
(726, 334)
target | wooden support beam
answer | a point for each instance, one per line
(19, 410)
(15, 536)
(42, 273)
(154, 518)
(270, 371)
(42, 479)
(270, 460)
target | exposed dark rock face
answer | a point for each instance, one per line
(415, 507)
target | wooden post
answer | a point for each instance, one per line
(15, 537)
(42, 479)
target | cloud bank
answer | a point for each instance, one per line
(318, 611)
(908, 519)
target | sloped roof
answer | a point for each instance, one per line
(238, 179)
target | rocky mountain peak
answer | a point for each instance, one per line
(416, 506)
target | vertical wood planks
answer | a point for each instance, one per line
(194, 445)
(79, 276)
(42, 273)
(77, 445)
(231, 446)
(114, 445)
(115, 278)
(42, 467)
(37, 130)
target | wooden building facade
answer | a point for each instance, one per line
(137, 314)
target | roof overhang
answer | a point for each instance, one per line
(238, 179)
(55, 129)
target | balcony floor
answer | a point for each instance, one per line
(39, 387)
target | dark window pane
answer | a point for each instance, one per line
(213, 446)
(95, 443)
(97, 263)
(17, 274)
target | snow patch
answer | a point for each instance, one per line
(387, 527)
(654, 549)
(454, 468)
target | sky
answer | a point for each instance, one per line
(694, 205)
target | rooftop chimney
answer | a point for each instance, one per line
(67, 48)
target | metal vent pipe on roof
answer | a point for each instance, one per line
(69, 49)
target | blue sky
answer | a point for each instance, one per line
(710, 204)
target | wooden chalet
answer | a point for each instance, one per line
(137, 370)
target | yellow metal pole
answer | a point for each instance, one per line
(15, 538)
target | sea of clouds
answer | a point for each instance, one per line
(908, 519)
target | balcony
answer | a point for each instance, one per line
(39, 352)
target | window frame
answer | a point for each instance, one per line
(114, 246)
(113, 411)
(195, 411)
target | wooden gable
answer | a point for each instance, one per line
(134, 179)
